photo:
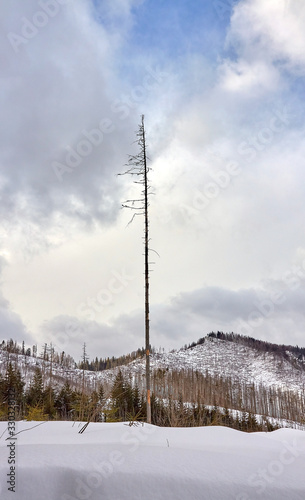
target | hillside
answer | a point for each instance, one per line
(217, 357)
(232, 359)
(220, 369)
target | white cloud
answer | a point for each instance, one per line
(220, 237)
(11, 325)
(268, 39)
(57, 88)
(253, 78)
(257, 312)
(272, 31)
(68, 334)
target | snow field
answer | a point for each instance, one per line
(112, 461)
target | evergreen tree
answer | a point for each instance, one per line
(35, 393)
(253, 425)
(12, 388)
(49, 397)
(64, 402)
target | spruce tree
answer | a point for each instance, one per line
(35, 393)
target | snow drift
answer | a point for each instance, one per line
(113, 461)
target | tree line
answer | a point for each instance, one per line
(48, 353)
(280, 350)
(70, 395)
(109, 363)
(122, 401)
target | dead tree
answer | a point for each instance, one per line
(137, 167)
(84, 363)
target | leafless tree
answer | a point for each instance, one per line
(138, 168)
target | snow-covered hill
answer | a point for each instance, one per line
(215, 356)
(229, 359)
(114, 461)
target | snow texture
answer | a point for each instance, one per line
(113, 461)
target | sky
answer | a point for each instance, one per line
(221, 86)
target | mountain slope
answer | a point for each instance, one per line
(214, 356)
(230, 359)
(224, 369)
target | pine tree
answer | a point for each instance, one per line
(49, 397)
(118, 397)
(35, 393)
(3, 410)
(13, 385)
(64, 402)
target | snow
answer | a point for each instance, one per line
(215, 356)
(113, 461)
(231, 359)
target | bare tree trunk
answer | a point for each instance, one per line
(147, 343)
(138, 166)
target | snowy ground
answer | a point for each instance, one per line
(117, 462)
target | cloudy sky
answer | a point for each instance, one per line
(221, 85)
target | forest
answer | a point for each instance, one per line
(124, 402)
(184, 397)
